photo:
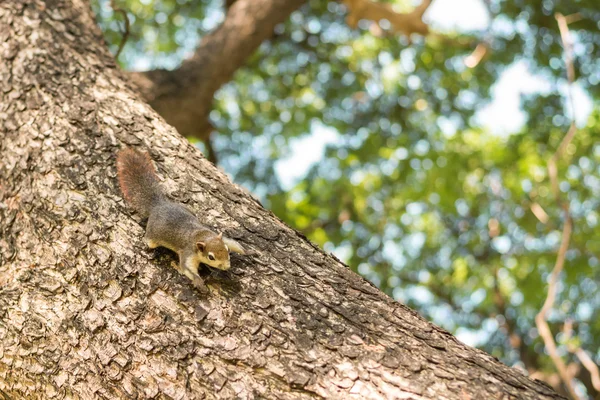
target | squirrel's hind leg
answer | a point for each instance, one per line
(152, 232)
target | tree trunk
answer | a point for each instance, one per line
(86, 311)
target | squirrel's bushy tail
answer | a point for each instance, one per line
(138, 180)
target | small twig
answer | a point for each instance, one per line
(552, 169)
(582, 355)
(573, 18)
(473, 59)
(212, 154)
(476, 56)
(539, 213)
(565, 34)
(125, 32)
(540, 319)
(589, 364)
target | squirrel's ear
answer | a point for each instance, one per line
(201, 246)
(233, 246)
(220, 236)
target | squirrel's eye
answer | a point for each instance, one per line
(211, 257)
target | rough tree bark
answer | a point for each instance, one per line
(184, 96)
(87, 312)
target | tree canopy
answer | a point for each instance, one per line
(425, 187)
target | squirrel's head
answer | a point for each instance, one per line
(214, 252)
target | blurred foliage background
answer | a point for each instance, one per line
(417, 171)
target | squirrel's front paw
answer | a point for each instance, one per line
(199, 284)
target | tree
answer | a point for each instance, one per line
(448, 213)
(455, 217)
(86, 311)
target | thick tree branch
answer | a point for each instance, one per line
(184, 96)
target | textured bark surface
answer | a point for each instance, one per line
(86, 311)
(184, 96)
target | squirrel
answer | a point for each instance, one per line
(171, 224)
